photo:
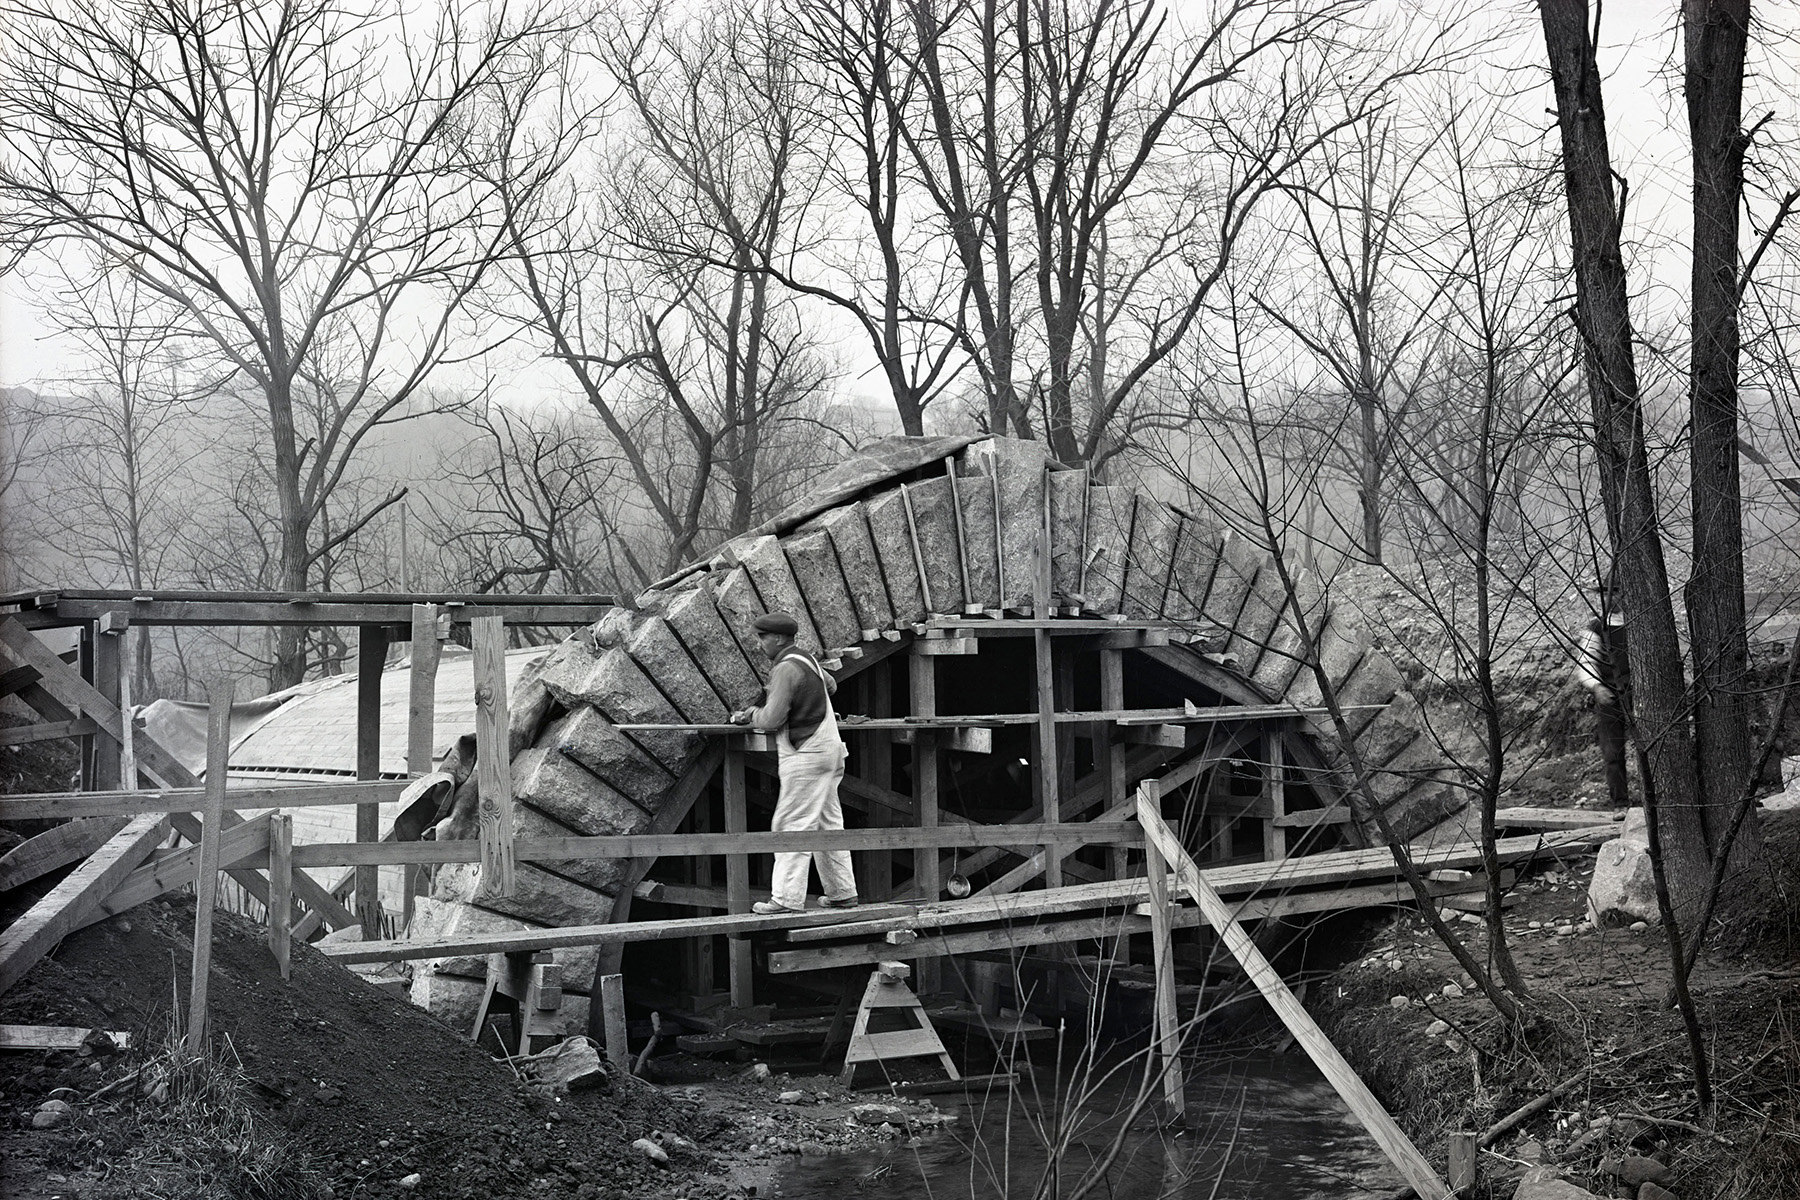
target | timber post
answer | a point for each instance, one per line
(493, 760)
(371, 655)
(206, 880)
(737, 872)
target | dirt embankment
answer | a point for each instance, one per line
(348, 1092)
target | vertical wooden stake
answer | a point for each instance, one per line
(1462, 1162)
(493, 762)
(109, 643)
(421, 716)
(880, 772)
(281, 888)
(371, 655)
(1275, 844)
(1110, 761)
(737, 873)
(128, 772)
(1162, 942)
(1049, 781)
(206, 878)
(612, 1004)
(927, 875)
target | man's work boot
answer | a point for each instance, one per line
(840, 902)
(769, 908)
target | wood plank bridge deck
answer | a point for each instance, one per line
(1313, 882)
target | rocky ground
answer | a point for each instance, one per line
(327, 1088)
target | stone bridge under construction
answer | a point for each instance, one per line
(1014, 643)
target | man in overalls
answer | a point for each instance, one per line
(1603, 667)
(796, 708)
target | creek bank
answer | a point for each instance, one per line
(1430, 1046)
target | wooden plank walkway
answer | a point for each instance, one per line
(876, 920)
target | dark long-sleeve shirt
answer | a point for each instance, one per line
(794, 699)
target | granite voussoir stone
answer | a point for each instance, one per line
(601, 874)
(1153, 530)
(527, 707)
(738, 607)
(1022, 466)
(564, 790)
(1108, 547)
(600, 769)
(848, 529)
(1190, 571)
(775, 585)
(1068, 532)
(661, 656)
(538, 895)
(618, 688)
(1283, 662)
(934, 521)
(696, 621)
(892, 539)
(981, 548)
(1240, 562)
(814, 563)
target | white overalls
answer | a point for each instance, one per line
(810, 776)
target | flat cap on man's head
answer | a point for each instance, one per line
(777, 622)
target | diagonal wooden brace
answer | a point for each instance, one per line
(65, 685)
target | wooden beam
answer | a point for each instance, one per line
(109, 645)
(64, 909)
(1162, 942)
(932, 946)
(1388, 1135)
(922, 687)
(165, 870)
(22, 735)
(206, 880)
(1275, 837)
(69, 842)
(1044, 744)
(395, 614)
(421, 716)
(61, 805)
(15, 679)
(281, 890)
(946, 647)
(678, 845)
(737, 876)
(56, 1037)
(493, 760)
(1173, 737)
(371, 658)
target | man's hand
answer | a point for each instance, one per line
(1604, 694)
(742, 716)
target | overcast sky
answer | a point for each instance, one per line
(1641, 57)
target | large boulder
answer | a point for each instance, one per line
(1623, 890)
(1547, 1183)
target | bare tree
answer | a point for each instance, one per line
(289, 180)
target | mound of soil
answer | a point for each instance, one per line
(371, 1089)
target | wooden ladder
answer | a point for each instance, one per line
(887, 991)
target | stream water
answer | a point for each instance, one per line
(1260, 1129)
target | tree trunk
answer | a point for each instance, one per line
(1659, 714)
(289, 665)
(1714, 35)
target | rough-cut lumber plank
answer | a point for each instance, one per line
(1162, 942)
(1545, 818)
(1392, 1140)
(371, 657)
(999, 938)
(65, 907)
(56, 1037)
(493, 768)
(166, 870)
(23, 735)
(653, 845)
(69, 842)
(281, 889)
(57, 805)
(421, 716)
(219, 696)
